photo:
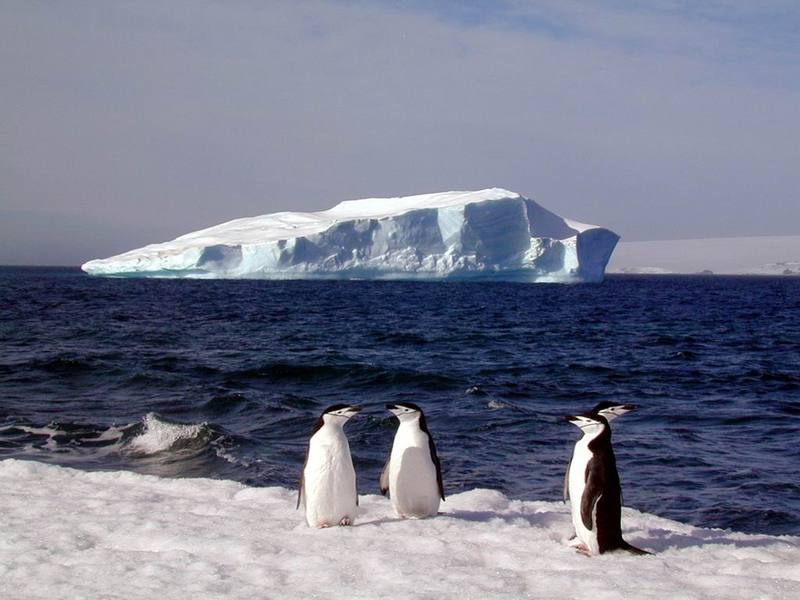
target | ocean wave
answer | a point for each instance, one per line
(160, 435)
(353, 373)
(63, 365)
(399, 338)
(225, 403)
(154, 437)
(236, 373)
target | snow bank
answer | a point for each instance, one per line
(73, 534)
(767, 255)
(491, 232)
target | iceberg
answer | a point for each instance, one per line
(492, 233)
(117, 534)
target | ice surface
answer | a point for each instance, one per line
(766, 255)
(489, 233)
(72, 534)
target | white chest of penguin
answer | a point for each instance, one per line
(413, 486)
(329, 479)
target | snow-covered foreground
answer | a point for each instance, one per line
(74, 534)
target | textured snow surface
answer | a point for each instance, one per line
(491, 232)
(767, 255)
(72, 534)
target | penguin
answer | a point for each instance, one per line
(328, 481)
(594, 488)
(609, 410)
(413, 473)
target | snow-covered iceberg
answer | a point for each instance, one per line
(489, 233)
(73, 534)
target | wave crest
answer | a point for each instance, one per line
(160, 435)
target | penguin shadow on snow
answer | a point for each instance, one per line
(380, 521)
(544, 520)
(541, 520)
(661, 540)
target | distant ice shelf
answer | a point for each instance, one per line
(760, 255)
(492, 233)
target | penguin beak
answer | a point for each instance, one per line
(580, 421)
(619, 410)
(353, 411)
(395, 410)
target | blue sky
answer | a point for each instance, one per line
(126, 123)
(652, 24)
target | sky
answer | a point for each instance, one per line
(127, 123)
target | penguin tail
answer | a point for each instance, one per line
(633, 549)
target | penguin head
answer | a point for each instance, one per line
(405, 411)
(339, 413)
(611, 410)
(589, 424)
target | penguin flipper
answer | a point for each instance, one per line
(423, 424)
(437, 464)
(300, 497)
(384, 483)
(566, 480)
(591, 496)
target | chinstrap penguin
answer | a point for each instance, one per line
(412, 475)
(609, 410)
(594, 488)
(328, 481)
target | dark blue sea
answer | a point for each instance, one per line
(225, 379)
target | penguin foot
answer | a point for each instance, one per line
(345, 522)
(583, 549)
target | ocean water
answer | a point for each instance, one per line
(225, 379)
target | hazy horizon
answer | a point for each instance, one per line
(127, 124)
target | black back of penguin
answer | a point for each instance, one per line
(603, 496)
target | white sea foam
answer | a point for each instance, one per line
(47, 430)
(159, 435)
(56, 439)
(111, 434)
(72, 534)
(496, 404)
(153, 438)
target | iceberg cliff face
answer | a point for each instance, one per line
(490, 233)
